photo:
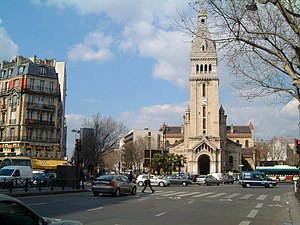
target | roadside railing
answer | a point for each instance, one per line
(17, 184)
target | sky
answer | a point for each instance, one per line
(126, 60)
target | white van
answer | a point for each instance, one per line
(12, 172)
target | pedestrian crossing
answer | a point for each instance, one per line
(215, 195)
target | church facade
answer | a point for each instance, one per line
(205, 144)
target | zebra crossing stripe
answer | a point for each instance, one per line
(203, 194)
(232, 195)
(161, 192)
(245, 222)
(176, 193)
(259, 205)
(253, 213)
(217, 195)
(187, 194)
(262, 197)
(247, 196)
(276, 198)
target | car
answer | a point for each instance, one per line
(256, 178)
(113, 184)
(201, 179)
(15, 212)
(43, 179)
(193, 177)
(228, 179)
(155, 180)
(184, 181)
(209, 180)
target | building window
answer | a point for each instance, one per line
(204, 111)
(6, 86)
(201, 68)
(204, 124)
(197, 68)
(16, 83)
(30, 99)
(13, 118)
(247, 144)
(42, 85)
(209, 67)
(31, 83)
(42, 70)
(10, 71)
(3, 74)
(203, 90)
(51, 86)
(14, 101)
(21, 69)
(231, 159)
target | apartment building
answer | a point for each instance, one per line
(32, 103)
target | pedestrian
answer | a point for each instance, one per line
(81, 178)
(130, 177)
(148, 182)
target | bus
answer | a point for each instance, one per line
(15, 161)
(280, 172)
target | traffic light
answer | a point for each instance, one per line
(78, 145)
(298, 146)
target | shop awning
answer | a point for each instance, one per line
(48, 164)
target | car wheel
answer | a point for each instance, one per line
(161, 184)
(248, 185)
(117, 192)
(95, 193)
(218, 183)
(141, 183)
(184, 183)
(133, 192)
(270, 185)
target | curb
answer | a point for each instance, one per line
(24, 194)
(294, 208)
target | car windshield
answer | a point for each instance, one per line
(6, 172)
(106, 177)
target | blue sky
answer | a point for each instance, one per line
(125, 60)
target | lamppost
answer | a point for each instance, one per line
(77, 131)
(164, 128)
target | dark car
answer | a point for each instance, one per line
(43, 179)
(193, 177)
(184, 181)
(113, 184)
(228, 180)
(13, 211)
(210, 180)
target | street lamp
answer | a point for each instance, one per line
(164, 128)
(76, 131)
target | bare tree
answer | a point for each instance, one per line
(260, 44)
(133, 153)
(107, 134)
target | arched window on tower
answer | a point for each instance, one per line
(201, 68)
(203, 90)
(246, 144)
(205, 68)
(203, 48)
(204, 124)
(204, 111)
(197, 68)
(209, 68)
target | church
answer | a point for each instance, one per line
(205, 144)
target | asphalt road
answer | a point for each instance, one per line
(176, 205)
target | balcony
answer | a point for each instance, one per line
(30, 139)
(40, 106)
(39, 122)
(50, 91)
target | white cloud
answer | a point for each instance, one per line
(8, 48)
(95, 47)
(153, 116)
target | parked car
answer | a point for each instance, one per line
(210, 179)
(228, 179)
(193, 177)
(13, 211)
(155, 181)
(184, 181)
(43, 179)
(201, 179)
(113, 184)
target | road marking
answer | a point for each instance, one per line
(217, 195)
(182, 192)
(203, 194)
(276, 198)
(259, 205)
(160, 192)
(191, 193)
(253, 213)
(190, 202)
(160, 214)
(245, 222)
(42, 203)
(94, 209)
(262, 197)
(247, 196)
(232, 196)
